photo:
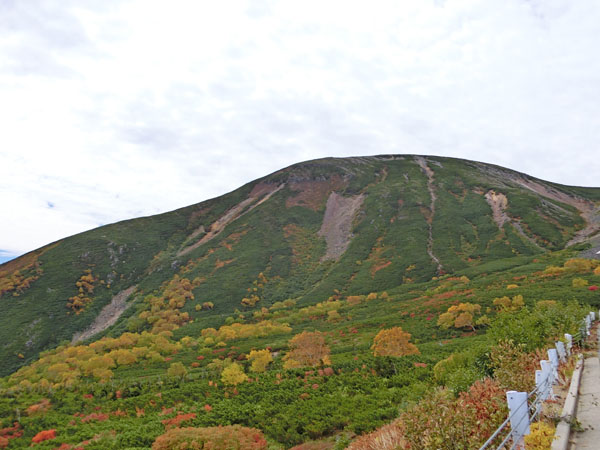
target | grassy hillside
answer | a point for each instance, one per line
(152, 382)
(313, 230)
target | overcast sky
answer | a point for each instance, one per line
(116, 109)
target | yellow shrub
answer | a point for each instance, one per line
(579, 282)
(580, 264)
(541, 436)
(553, 270)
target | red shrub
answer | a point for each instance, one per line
(593, 287)
(178, 419)
(39, 408)
(100, 417)
(44, 435)
(8, 433)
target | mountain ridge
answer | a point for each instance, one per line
(351, 225)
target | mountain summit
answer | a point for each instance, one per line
(309, 232)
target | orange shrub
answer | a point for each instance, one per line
(393, 342)
(37, 408)
(388, 437)
(178, 419)
(6, 434)
(232, 436)
(44, 435)
(307, 349)
(354, 299)
(100, 417)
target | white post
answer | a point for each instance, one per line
(560, 349)
(540, 382)
(588, 325)
(593, 314)
(553, 357)
(518, 412)
(547, 375)
(569, 339)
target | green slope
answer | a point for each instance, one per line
(397, 235)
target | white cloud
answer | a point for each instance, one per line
(112, 110)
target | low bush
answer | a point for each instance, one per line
(230, 437)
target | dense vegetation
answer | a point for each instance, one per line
(124, 392)
(242, 313)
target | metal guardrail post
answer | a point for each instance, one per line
(553, 357)
(560, 349)
(518, 407)
(548, 372)
(569, 339)
(519, 415)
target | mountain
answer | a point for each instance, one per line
(310, 232)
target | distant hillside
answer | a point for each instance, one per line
(308, 232)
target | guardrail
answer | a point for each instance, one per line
(525, 407)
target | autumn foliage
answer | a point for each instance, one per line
(246, 330)
(19, 280)
(506, 304)
(178, 420)
(233, 375)
(44, 436)
(463, 422)
(8, 433)
(307, 349)
(85, 286)
(164, 311)
(255, 291)
(393, 342)
(461, 316)
(233, 436)
(260, 360)
(38, 408)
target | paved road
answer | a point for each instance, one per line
(588, 407)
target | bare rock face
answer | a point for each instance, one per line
(257, 197)
(430, 213)
(107, 317)
(498, 202)
(337, 223)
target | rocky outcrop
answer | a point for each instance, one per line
(337, 223)
(107, 317)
